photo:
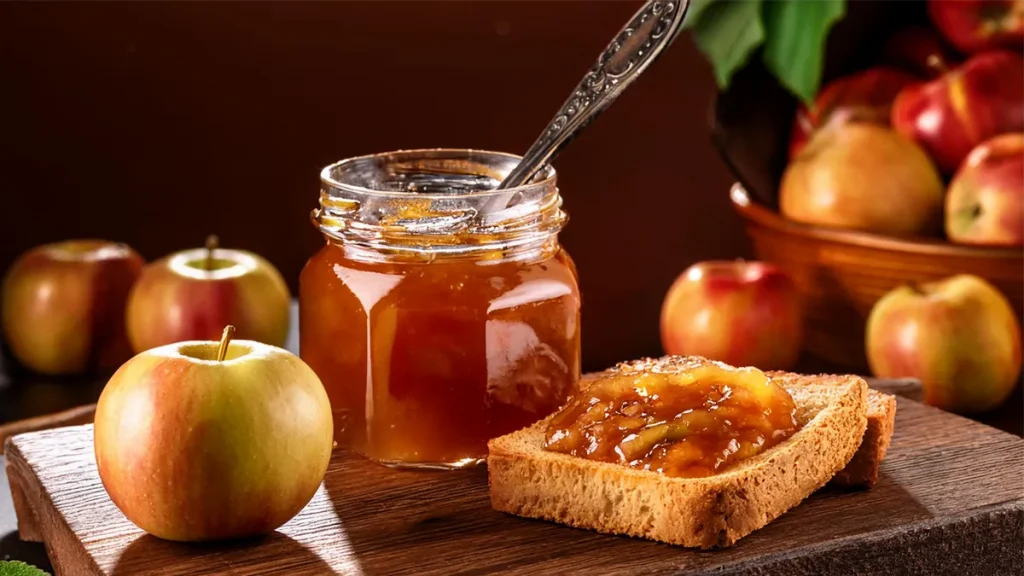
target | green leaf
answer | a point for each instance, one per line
(727, 32)
(693, 11)
(15, 568)
(795, 48)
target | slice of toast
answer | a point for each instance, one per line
(862, 471)
(715, 511)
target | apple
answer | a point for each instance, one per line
(862, 96)
(952, 114)
(985, 200)
(203, 440)
(744, 313)
(866, 177)
(63, 306)
(978, 25)
(958, 336)
(919, 50)
(191, 295)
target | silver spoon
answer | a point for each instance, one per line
(639, 43)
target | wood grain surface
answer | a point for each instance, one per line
(949, 502)
(70, 417)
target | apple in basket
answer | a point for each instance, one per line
(950, 115)
(863, 176)
(985, 200)
(979, 25)
(864, 96)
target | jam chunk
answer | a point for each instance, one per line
(686, 424)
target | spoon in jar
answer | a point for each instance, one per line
(634, 48)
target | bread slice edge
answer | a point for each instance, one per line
(863, 469)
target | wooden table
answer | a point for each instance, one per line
(24, 395)
(949, 502)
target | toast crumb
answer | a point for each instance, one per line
(710, 512)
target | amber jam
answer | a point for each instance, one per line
(679, 424)
(439, 313)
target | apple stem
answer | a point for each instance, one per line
(225, 339)
(935, 62)
(211, 244)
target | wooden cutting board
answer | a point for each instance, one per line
(949, 501)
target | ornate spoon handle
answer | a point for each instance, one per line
(638, 44)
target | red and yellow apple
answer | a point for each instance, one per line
(958, 336)
(63, 306)
(740, 312)
(950, 115)
(864, 96)
(863, 176)
(195, 445)
(193, 294)
(985, 200)
(979, 25)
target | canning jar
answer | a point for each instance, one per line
(440, 312)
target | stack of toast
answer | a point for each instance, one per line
(845, 430)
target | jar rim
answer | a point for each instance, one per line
(547, 175)
(438, 201)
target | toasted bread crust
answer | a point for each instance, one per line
(862, 471)
(716, 511)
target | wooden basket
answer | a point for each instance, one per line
(842, 273)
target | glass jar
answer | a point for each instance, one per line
(440, 312)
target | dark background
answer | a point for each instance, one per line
(157, 123)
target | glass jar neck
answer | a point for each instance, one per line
(536, 251)
(424, 205)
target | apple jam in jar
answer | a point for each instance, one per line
(440, 313)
